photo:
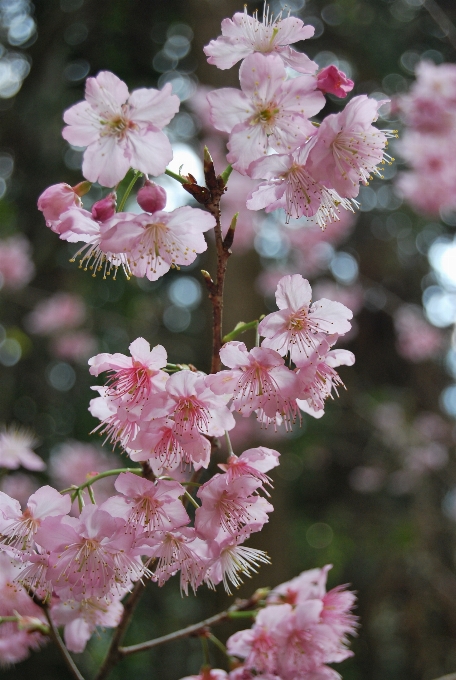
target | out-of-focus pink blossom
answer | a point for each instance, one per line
(331, 80)
(75, 346)
(207, 673)
(19, 486)
(16, 450)
(80, 618)
(243, 35)
(59, 312)
(417, 340)
(121, 130)
(16, 266)
(269, 111)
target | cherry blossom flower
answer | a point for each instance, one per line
(17, 641)
(155, 243)
(348, 148)
(333, 81)
(269, 112)
(16, 266)
(254, 462)
(258, 379)
(135, 377)
(243, 35)
(121, 130)
(16, 450)
(80, 618)
(300, 325)
(291, 185)
(230, 507)
(309, 585)
(18, 528)
(230, 561)
(148, 506)
(56, 200)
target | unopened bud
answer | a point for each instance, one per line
(151, 197)
(103, 210)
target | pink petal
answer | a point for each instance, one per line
(105, 162)
(225, 52)
(247, 144)
(154, 106)
(228, 108)
(293, 292)
(83, 125)
(150, 151)
(106, 92)
(261, 76)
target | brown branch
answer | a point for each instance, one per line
(245, 606)
(114, 653)
(55, 635)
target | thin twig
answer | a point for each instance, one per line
(55, 635)
(194, 629)
(114, 653)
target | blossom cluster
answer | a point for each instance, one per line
(301, 629)
(429, 139)
(308, 170)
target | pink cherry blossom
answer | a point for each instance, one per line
(155, 243)
(291, 185)
(16, 450)
(148, 506)
(56, 200)
(258, 379)
(18, 528)
(58, 312)
(333, 81)
(309, 585)
(348, 148)
(254, 462)
(121, 130)
(16, 266)
(230, 507)
(300, 325)
(80, 619)
(16, 642)
(208, 674)
(135, 377)
(230, 560)
(243, 35)
(268, 112)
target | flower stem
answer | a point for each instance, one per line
(191, 499)
(101, 475)
(218, 643)
(55, 635)
(240, 328)
(121, 205)
(174, 175)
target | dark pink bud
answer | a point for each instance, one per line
(104, 209)
(331, 80)
(151, 197)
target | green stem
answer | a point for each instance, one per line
(101, 475)
(174, 175)
(7, 619)
(242, 615)
(218, 643)
(191, 499)
(206, 656)
(78, 495)
(240, 328)
(228, 441)
(91, 495)
(226, 174)
(128, 190)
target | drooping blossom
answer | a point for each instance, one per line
(269, 112)
(135, 377)
(230, 560)
(331, 80)
(255, 462)
(230, 506)
(258, 379)
(18, 528)
(348, 148)
(317, 376)
(154, 243)
(59, 312)
(121, 130)
(291, 185)
(300, 325)
(17, 641)
(243, 35)
(16, 450)
(80, 619)
(16, 266)
(56, 200)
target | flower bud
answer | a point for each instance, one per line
(331, 80)
(103, 210)
(151, 197)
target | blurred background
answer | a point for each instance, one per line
(370, 488)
